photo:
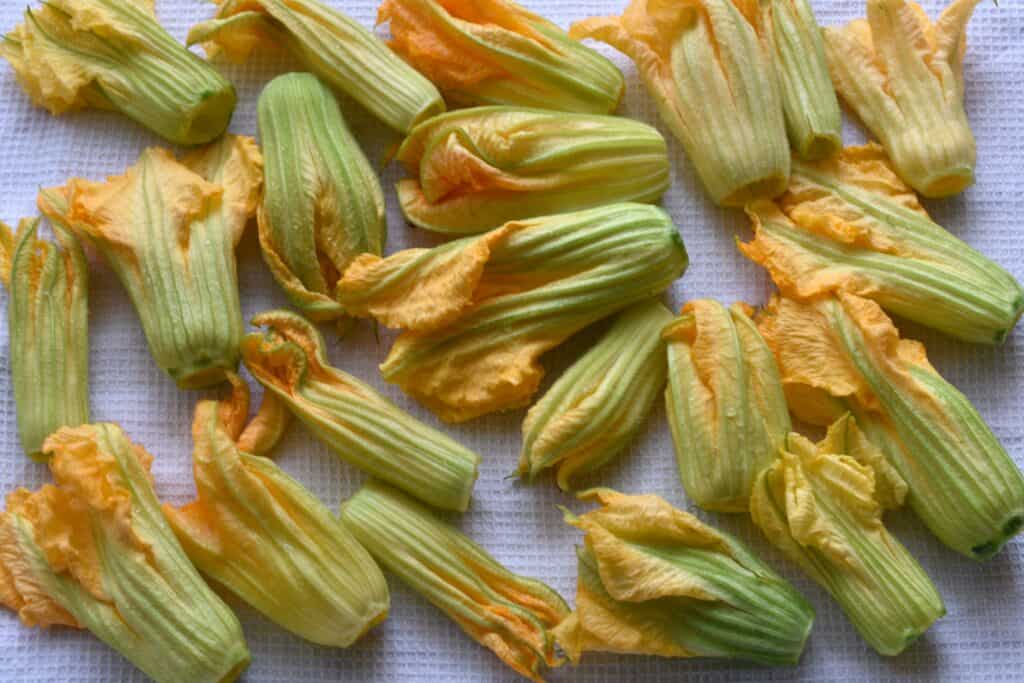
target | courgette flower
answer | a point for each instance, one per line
(843, 353)
(713, 81)
(357, 423)
(95, 552)
(476, 169)
(656, 580)
(497, 52)
(113, 54)
(479, 312)
(903, 76)
(335, 47)
(48, 326)
(511, 615)
(168, 227)
(821, 507)
(849, 223)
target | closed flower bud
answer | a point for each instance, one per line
(48, 326)
(356, 422)
(595, 409)
(95, 552)
(322, 204)
(849, 223)
(476, 169)
(821, 507)
(656, 580)
(258, 532)
(479, 312)
(903, 77)
(712, 79)
(726, 409)
(960, 480)
(497, 52)
(809, 100)
(168, 228)
(511, 615)
(335, 47)
(112, 54)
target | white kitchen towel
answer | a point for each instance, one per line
(981, 638)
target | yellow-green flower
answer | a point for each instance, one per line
(838, 353)
(903, 76)
(113, 54)
(168, 227)
(511, 615)
(322, 203)
(656, 580)
(713, 81)
(479, 312)
(476, 169)
(821, 507)
(726, 409)
(596, 408)
(95, 552)
(330, 44)
(358, 424)
(497, 52)
(261, 534)
(849, 223)
(48, 326)
(809, 100)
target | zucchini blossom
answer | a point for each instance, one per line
(903, 77)
(95, 552)
(479, 312)
(592, 412)
(322, 204)
(168, 228)
(821, 506)
(656, 580)
(726, 409)
(712, 78)
(113, 54)
(335, 47)
(497, 52)
(849, 223)
(511, 615)
(357, 423)
(476, 169)
(843, 353)
(48, 326)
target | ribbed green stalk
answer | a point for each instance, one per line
(902, 259)
(123, 60)
(726, 410)
(809, 100)
(333, 46)
(908, 89)
(600, 403)
(261, 534)
(322, 204)
(820, 509)
(497, 52)
(155, 609)
(510, 614)
(476, 169)
(48, 326)
(360, 426)
(712, 80)
(962, 483)
(563, 273)
(172, 245)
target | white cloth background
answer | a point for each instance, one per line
(981, 638)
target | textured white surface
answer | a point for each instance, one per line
(982, 637)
